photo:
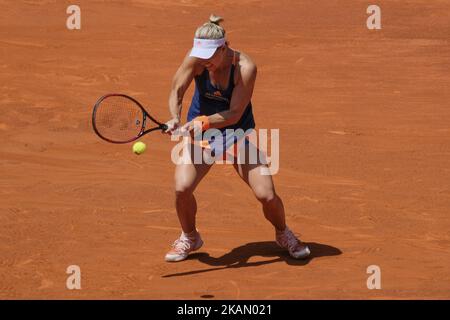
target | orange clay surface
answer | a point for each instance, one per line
(364, 174)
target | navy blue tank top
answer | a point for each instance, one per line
(208, 100)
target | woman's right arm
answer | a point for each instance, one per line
(180, 83)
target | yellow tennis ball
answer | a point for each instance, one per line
(139, 147)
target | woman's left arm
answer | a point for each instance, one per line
(242, 93)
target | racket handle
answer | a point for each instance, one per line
(163, 127)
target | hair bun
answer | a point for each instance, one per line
(215, 19)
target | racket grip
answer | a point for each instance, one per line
(164, 127)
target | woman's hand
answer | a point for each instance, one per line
(172, 125)
(200, 123)
(187, 127)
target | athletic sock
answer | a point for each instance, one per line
(191, 235)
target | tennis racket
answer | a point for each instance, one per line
(118, 118)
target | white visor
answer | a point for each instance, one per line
(205, 48)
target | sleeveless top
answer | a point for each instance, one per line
(208, 100)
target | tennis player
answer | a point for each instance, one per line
(224, 82)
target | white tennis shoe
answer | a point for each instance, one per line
(183, 246)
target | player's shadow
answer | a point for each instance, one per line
(239, 257)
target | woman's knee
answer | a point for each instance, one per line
(184, 180)
(183, 190)
(187, 178)
(264, 194)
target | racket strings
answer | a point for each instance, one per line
(119, 119)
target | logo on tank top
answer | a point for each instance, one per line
(217, 95)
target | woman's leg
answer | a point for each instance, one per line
(264, 190)
(187, 177)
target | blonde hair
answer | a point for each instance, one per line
(211, 29)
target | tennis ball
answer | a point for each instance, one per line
(139, 147)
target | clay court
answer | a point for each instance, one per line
(364, 174)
